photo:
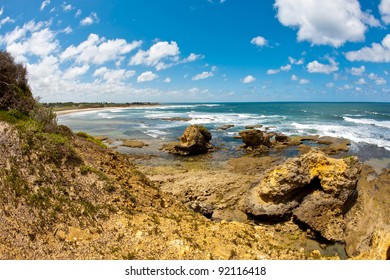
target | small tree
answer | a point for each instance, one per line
(15, 92)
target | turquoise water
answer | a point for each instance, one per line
(367, 125)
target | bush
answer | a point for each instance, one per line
(15, 92)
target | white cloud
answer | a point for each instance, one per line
(67, 30)
(6, 20)
(31, 39)
(161, 55)
(1, 11)
(294, 61)
(259, 41)
(286, 68)
(203, 75)
(384, 9)
(114, 76)
(324, 22)
(146, 77)
(375, 53)
(194, 90)
(192, 57)
(75, 72)
(98, 51)
(91, 19)
(330, 85)
(273, 71)
(167, 80)
(373, 76)
(304, 81)
(78, 13)
(248, 79)
(294, 78)
(358, 71)
(67, 7)
(316, 67)
(44, 4)
(361, 81)
(380, 81)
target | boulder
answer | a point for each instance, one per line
(195, 140)
(316, 189)
(255, 138)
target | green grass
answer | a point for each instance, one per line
(91, 139)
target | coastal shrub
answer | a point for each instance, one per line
(15, 92)
(91, 139)
(46, 117)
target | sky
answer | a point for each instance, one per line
(201, 50)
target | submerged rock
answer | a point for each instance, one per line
(225, 127)
(133, 144)
(316, 189)
(195, 140)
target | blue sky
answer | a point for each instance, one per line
(201, 50)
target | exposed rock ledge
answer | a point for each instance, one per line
(316, 189)
(195, 140)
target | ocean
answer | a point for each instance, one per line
(367, 125)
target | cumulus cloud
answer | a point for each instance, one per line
(273, 71)
(167, 80)
(114, 76)
(294, 78)
(375, 53)
(99, 50)
(324, 22)
(75, 72)
(304, 81)
(358, 71)
(91, 19)
(192, 57)
(32, 39)
(248, 79)
(203, 75)
(286, 68)
(67, 7)
(259, 41)
(44, 4)
(146, 77)
(384, 9)
(161, 55)
(316, 67)
(380, 81)
(361, 81)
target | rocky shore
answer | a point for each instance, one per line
(95, 203)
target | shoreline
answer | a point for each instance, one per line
(91, 109)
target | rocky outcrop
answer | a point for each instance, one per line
(255, 138)
(195, 140)
(316, 189)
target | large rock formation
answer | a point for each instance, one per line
(255, 138)
(195, 140)
(316, 189)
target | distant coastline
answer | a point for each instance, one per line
(72, 107)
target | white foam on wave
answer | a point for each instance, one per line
(385, 124)
(355, 134)
(156, 133)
